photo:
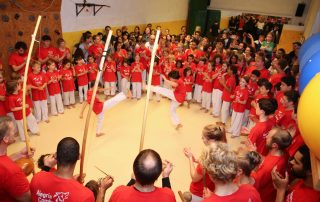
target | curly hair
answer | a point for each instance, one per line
(214, 132)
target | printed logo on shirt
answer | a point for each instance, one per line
(57, 197)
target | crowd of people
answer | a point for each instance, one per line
(234, 76)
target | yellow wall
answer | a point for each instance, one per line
(311, 17)
(288, 37)
(224, 22)
(174, 26)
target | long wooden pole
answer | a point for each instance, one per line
(145, 115)
(24, 87)
(94, 92)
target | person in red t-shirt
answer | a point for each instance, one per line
(3, 110)
(228, 81)
(156, 79)
(277, 71)
(81, 72)
(96, 49)
(109, 76)
(248, 161)
(15, 105)
(287, 84)
(100, 107)
(222, 166)
(92, 69)
(17, 59)
(285, 117)
(61, 185)
(62, 51)
(145, 56)
(176, 96)
(199, 79)
(299, 190)
(259, 132)
(188, 80)
(37, 82)
(54, 90)
(277, 142)
(119, 56)
(68, 87)
(208, 76)
(46, 51)
(218, 90)
(147, 167)
(136, 77)
(14, 186)
(47, 162)
(240, 97)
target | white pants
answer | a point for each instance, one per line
(68, 98)
(236, 123)
(188, 96)
(245, 117)
(56, 103)
(125, 85)
(110, 88)
(136, 89)
(197, 93)
(206, 100)
(10, 114)
(31, 124)
(119, 81)
(216, 101)
(83, 93)
(144, 76)
(41, 110)
(174, 104)
(157, 96)
(225, 111)
(196, 198)
(107, 105)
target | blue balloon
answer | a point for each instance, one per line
(308, 48)
(310, 69)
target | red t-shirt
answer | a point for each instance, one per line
(43, 52)
(264, 73)
(38, 80)
(207, 84)
(46, 186)
(67, 80)
(188, 82)
(230, 83)
(109, 74)
(276, 78)
(258, 135)
(180, 91)
(240, 95)
(245, 193)
(60, 53)
(284, 118)
(180, 56)
(93, 71)
(193, 66)
(15, 100)
(144, 54)
(13, 182)
(136, 75)
(216, 83)
(3, 110)
(16, 60)
(96, 50)
(54, 86)
(263, 181)
(97, 105)
(156, 75)
(256, 99)
(196, 188)
(130, 194)
(279, 95)
(125, 71)
(196, 53)
(299, 192)
(297, 141)
(120, 56)
(83, 79)
(249, 70)
(252, 88)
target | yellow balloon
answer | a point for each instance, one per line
(309, 115)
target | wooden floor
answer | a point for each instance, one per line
(114, 153)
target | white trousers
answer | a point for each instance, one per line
(31, 124)
(136, 89)
(107, 105)
(236, 123)
(188, 96)
(174, 104)
(144, 76)
(216, 101)
(83, 93)
(225, 111)
(119, 80)
(56, 104)
(41, 110)
(245, 117)
(110, 88)
(10, 114)
(125, 85)
(68, 98)
(196, 198)
(206, 100)
(197, 93)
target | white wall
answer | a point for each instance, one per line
(282, 8)
(122, 12)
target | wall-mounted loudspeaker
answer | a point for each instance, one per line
(300, 9)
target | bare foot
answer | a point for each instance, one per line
(47, 121)
(206, 111)
(37, 134)
(234, 136)
(129, 94)
(68, 107)
(219, 123)
(178, 126)
(202, 108)
(61, 113)
(55, 114)
(100, 134)
(73, 106)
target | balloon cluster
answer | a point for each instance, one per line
(309, 88)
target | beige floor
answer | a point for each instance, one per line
(114, 153)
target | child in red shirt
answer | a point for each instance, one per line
(207, 88)
(37, 81)
(81, 72)
(284, 117)
(15, 105)
(53, 79)
(188, 82)
(217, 90)
(68, 87)
(92, 69)
(228, 81)
(109, 76)
(240, 97)
(199, 79)
(125, 75)
(156, 78)
(136, 77)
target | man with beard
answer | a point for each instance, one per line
(299, 189)
(18, 59)
(277, 142)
